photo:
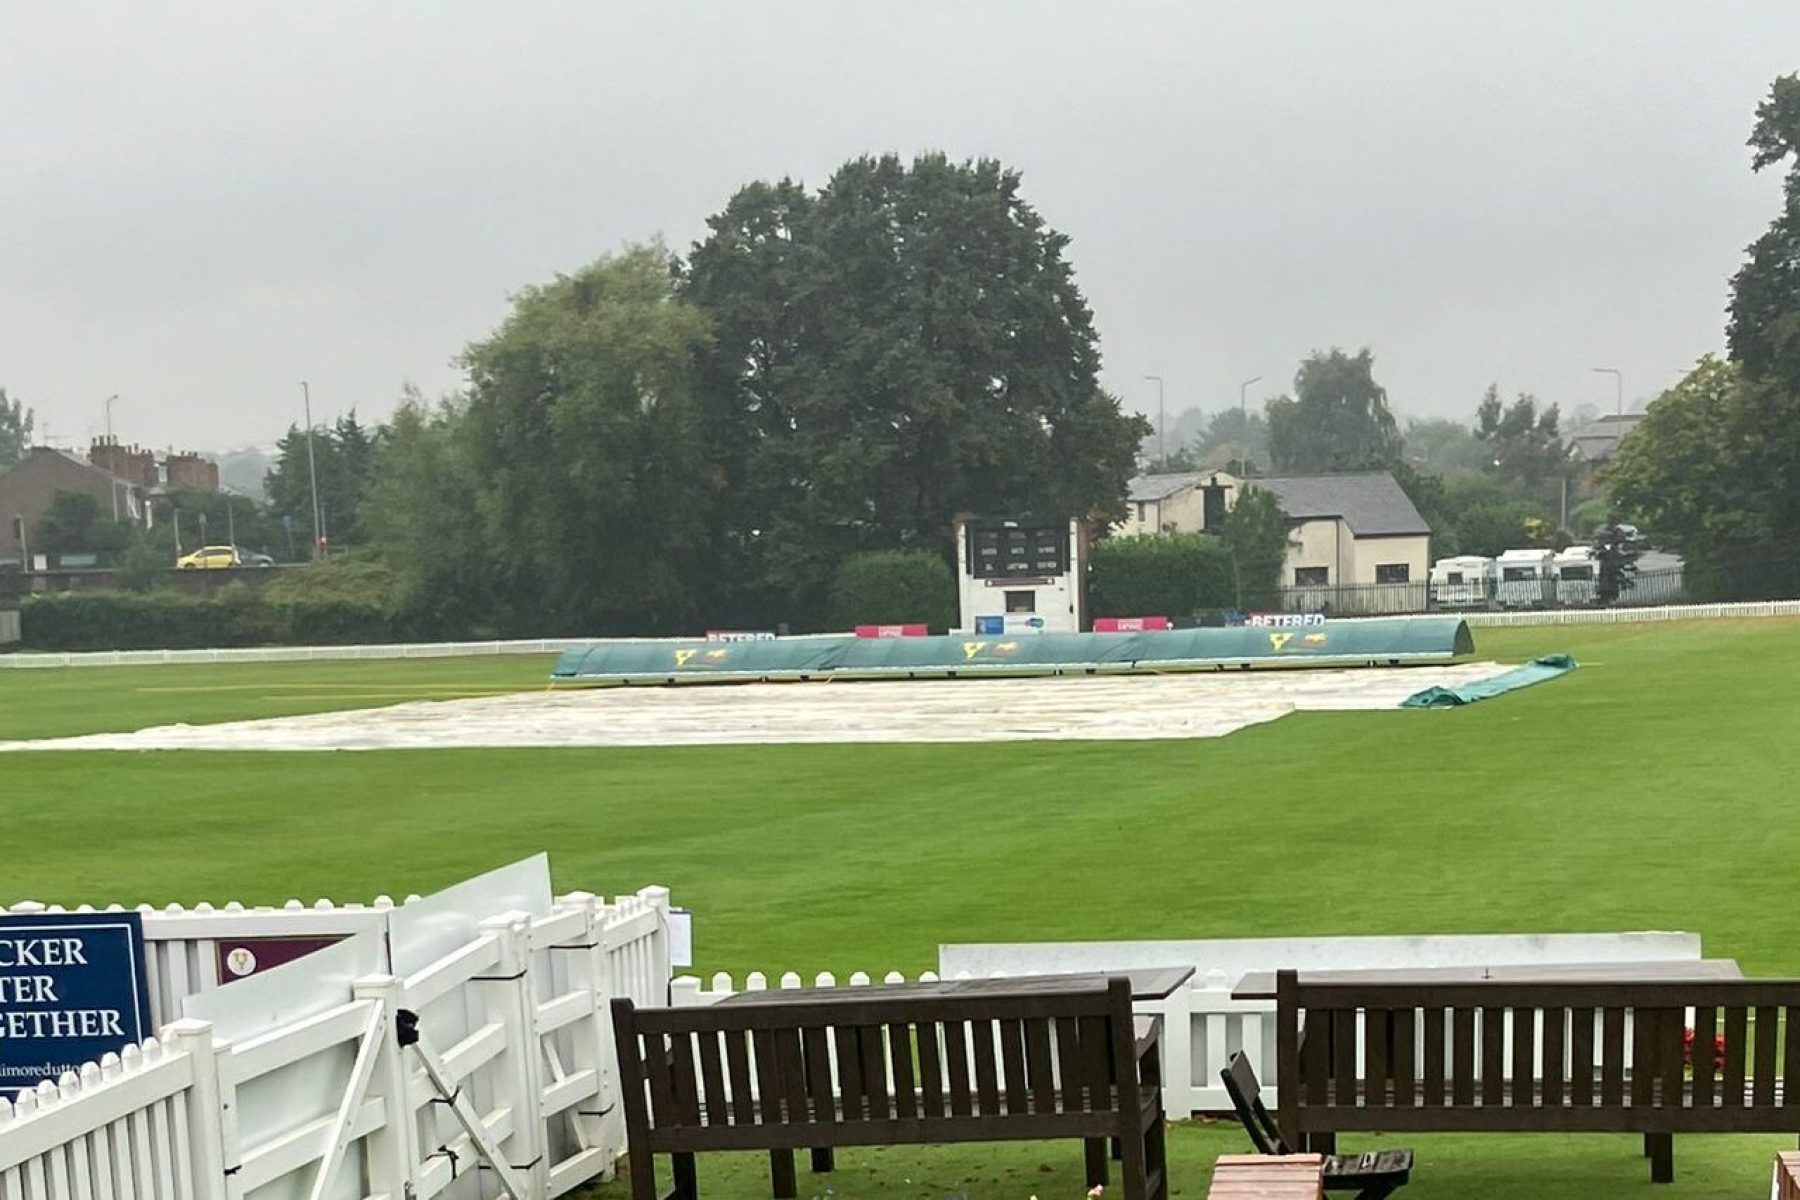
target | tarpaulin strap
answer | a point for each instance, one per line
(497, 978)
(450, 1099)
(448, 1153)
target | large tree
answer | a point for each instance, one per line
(1236, 440)
(1337, 419)
(15, 430)
(342, 452)
(1523, 444)
(1765, 294)
(592, 479)
(1711, 472)
(905, 344)
(1714, 469)
(422, 510)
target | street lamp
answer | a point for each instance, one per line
(1162, 451)
(112, 458)
(312, 468)
(1618, 382)
(1244, 399)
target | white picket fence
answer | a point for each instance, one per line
(324, 1102)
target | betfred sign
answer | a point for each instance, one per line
(1284, 620)
(1130, 624)
(72, 990)
(892, 631)
(740, 635)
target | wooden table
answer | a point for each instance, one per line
(1152, 983)
(1268, 1177)
(1260, 985)
(1786, 1184)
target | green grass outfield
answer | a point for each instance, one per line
(1653, 788)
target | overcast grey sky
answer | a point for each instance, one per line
(202, 204)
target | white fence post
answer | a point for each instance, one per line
(506, 997)
(205, 1108)
(582, 959)
(389, 1151)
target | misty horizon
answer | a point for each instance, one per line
(208, 205)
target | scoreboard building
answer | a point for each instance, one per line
(1021, 576)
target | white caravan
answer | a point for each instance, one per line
(1525, 578)
(1576, 572)
(1463, 581)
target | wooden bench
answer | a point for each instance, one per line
(1544, 1056)
(1012, 1060)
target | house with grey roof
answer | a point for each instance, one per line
(1348, 530)
(1180, 502)
(1355, 529)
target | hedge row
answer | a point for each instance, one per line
(1162, 575)
(170, 621)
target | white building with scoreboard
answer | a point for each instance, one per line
(1021, 576)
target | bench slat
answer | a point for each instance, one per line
(1737, 1033)
(1404, 1060)
(1012, 1066)
(925, 1130)
(1524, 1047)
(1434, 1056)
(956, 1055)
(873, 1061)
(1767, 1043)
(1037, 1057)
(987, 1087)
(1556, 1025)
(849, 1072)
(816, 1045)
(1068, 1052)
(658, 1074)
(1462, 1056)
(737, 1065)
(768, 1078)
(712, 1075)
(791, 1064)
(1493, 1046)
(683, 1078)
(931, 1073)
(1095, 1056)
(900, 1057)
(1581, 1056)
(1612, 1057)
(806, 1010)
(1790, 1068)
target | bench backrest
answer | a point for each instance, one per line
(859, 1057)
(1549, 1055)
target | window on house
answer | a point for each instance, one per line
(1140, 505)
(1021, 602)
(1312, 576)
(1393, 573)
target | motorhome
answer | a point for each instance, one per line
(1463, 581)
(1576, 572)
(1525, 578)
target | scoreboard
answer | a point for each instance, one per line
(1012, 550)
(1022, 575)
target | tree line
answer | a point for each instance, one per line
(660, 441)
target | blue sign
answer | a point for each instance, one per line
(71, 990)
(990, 625)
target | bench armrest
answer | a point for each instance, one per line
(1147, 1032)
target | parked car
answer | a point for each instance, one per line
(252, 559)
(211, 558)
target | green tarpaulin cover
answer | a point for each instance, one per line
(1550, 666)
(1332, 643)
